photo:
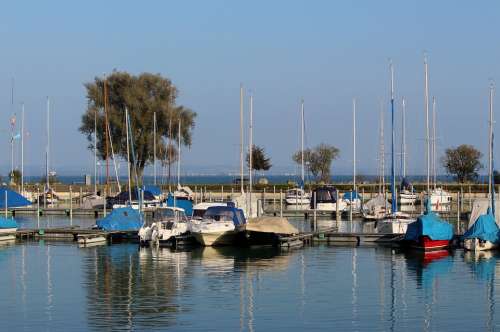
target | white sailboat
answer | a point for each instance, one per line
(298, 196)
(485, 237)
(438, 196)
(396, 222)
(406, 195)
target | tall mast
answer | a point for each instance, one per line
(393, 176)
(354, 145)
(105, 102)
(22, 149)
(47, 148)
(13, 124)
(179, 156)
(154, 148)
(128, 157)
(302, 173)
(250, 157)
(433, 141)
(427, 146)
(95, 151)
(382, 150)
(491, 182)
(403, 140)
(242, 149)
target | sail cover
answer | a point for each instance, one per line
(121, 219)
(13, 198)
(484, 228)
(480, 207)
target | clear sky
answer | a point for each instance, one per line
(324, 51)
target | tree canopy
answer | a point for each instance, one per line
(318, 160)
(143, 96)
(463, 162)
(259, 160)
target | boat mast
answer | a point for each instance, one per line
(403, 140)
(491, 182)
(434, 142)
(106, 131)
(47, 148)
(393, 176)
(179, 156)
(427, 147)
(22, 149)
(250, 157)
(128, 158)
(382, 151)
(95, 151)
(242, 149)
(302, 173)
(154, 148)
(354, 147)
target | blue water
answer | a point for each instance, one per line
(57, 286)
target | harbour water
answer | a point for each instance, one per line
(57, 286)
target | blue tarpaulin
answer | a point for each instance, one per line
(155, 190)
(484, 228)
(13, 198)
(121, 219)
(430, 225)
(350, 195)
(185, 204)
(7, 223)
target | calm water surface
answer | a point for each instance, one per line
(57, 286)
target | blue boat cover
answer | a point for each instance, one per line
(155, 190)
(429, 224)
(13, 198)
(226, 213)
(185, 204)
(121, 219)
(405, 184)
(350, 195)
(484, 228)
(7, 223)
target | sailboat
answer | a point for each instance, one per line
(406, 193)
(352, 198)
(298, 196)
(396, 222)
(429, 232)
(438, 196)
(483, 231)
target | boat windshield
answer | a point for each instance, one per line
(219, 215)
(171, 214)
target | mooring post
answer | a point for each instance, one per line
(470, 199)
(232, 193)
(81, 196)
(281, 203)
(458, 212)
(315, 207)
(6, 204)
(45, 199)
(71, 205)
(105, 203)
(222, 193)
(274, 197)
(195, 195)
(38, 206)
(337, 210)
(264, 199)
(461, 197)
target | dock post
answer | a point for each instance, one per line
(281, 203)
(232, 193)
(337, 214)
(105, 203)
(222, 193)
(6, 204)
(81, 196)
(195, 195)
(44, 199)
(38, 206)
(315, 207)
(461, 197)
(264, 199)
(71, 205)
(274, 197)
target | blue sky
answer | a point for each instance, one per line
(324, 51)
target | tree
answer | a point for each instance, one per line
(463, 162)
(259, 160)
(143, 96)
(318, 160)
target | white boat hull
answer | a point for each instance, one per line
(394, 225)
(477, 245)
(297, 201)
(406, 199)
(216, 238)
(330, 206)
(7, 230)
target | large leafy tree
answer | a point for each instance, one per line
(318, 160)
(463, 162)
(142, 95)
(260, 162)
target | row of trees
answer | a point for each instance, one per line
(150, 95)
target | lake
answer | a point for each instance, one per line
(57, 286)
